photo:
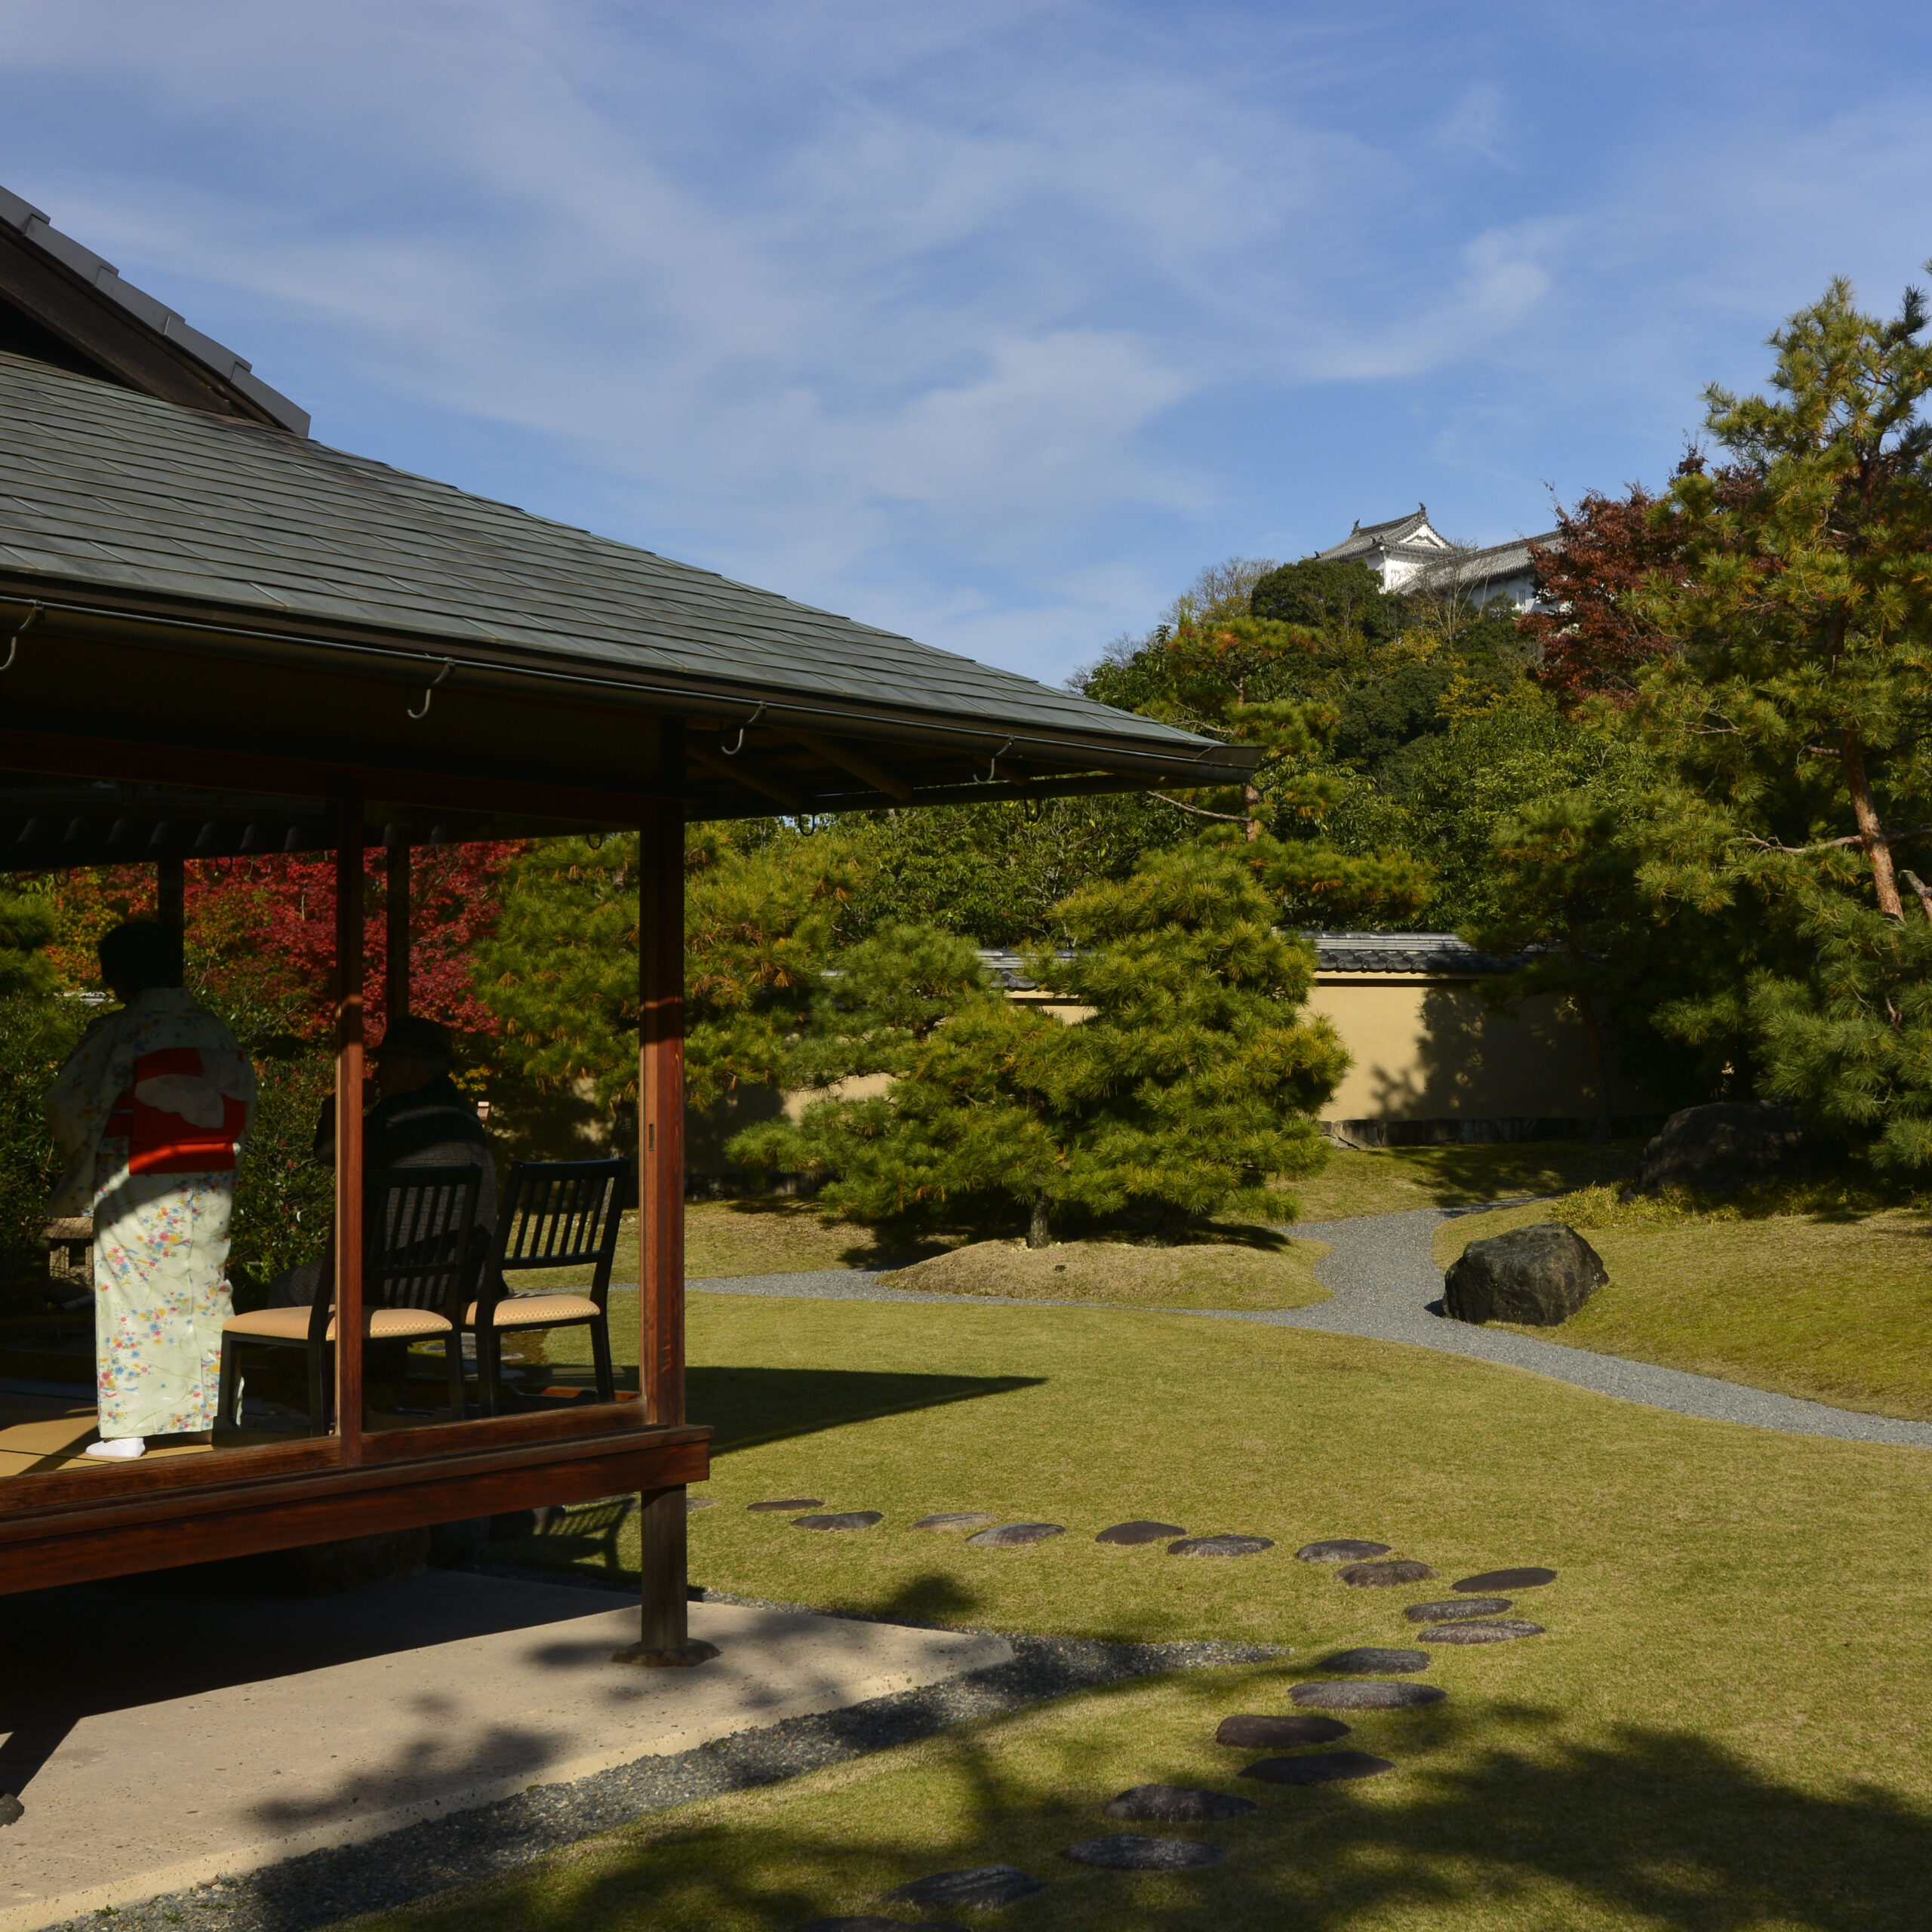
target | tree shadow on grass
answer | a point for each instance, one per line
(1656, 1827)
(750, 1406)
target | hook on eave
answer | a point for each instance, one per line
(13, 642)
(429, 690)
(732, 751)
(992, 763)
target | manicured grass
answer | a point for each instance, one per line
(1834, 1305)
(1723, 1728)
(1247, 1268)
(762, 1235)
(1389, 1179)
(781, 1236)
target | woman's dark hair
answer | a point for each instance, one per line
(140, 955)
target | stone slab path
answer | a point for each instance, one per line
(159, 1740)
(1381, 1274)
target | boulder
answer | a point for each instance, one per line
(1719, 1149)
(1541, 1275)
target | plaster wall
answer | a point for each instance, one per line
(1430, 1049)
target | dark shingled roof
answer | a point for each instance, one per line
(1442, 955)
(104, 489)
(1439, 953)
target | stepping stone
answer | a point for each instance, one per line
(789, 1503)
(692, 1504)
(1131, 1534)
(1016, 1536)
(1459, 1610)
(1126, 1851)
(1325, 1767)
(979, 1888)
(1500, 1630)
(1385, 1576)
(1366, 1697)
(1490, 1581)
(844, 1519)
(1255, 1731)
(1224, 1545)
(1178, 1804)
(955, 1519)
(872, 1922)
(1370, 1662)
(1341, 1550)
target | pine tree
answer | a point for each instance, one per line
(1795, 704)
(1194, 1078)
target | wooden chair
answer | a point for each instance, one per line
(420, 1272)
(554, 1215)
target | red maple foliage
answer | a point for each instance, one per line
(262, 930)
(1592, 640)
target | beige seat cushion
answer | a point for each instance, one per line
(379, 1325)
(536, 1311)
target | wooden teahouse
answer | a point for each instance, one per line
(219, 637)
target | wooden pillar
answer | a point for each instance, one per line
(171, 895)
(395, 992)
(348, 969)
(665, 1636)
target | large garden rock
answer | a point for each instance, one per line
(1541, 1275)
(1719, 1149)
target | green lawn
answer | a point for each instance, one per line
(1722, 1730)
(1835, 1304)
(1386, 1181)
(779, 1235)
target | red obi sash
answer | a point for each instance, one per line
(175, 1118)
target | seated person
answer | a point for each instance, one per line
(420, 1121)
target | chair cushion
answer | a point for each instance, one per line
(379, 1325)
(536, 1311)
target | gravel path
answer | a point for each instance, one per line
(383, 1873)
(1382, 1276)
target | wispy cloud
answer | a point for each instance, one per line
(991, 322)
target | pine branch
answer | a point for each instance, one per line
(1200, 811)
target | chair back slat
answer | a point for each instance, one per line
(421, 1252)
(562, 1214)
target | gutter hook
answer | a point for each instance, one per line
(409, 710)
(14, 643)
(992, 763)
(732, 751)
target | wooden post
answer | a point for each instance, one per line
(171, 895)
(348, 968)
(666, 1633)
(395, 996)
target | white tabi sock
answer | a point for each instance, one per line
(121, 1448)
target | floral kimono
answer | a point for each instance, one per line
(149, 1112)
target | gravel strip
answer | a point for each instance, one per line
(1384, 1285)
(323, 1887)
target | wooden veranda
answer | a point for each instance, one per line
(220, 637)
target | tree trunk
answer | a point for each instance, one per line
(1871, 828)
(1586, 1009)
(1039, 1229)
(1251, 799)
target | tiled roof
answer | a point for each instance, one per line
(1440, 953)
(102, 489)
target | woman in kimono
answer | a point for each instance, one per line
(149, 1113)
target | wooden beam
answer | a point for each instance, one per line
(395, 934)
(740, 771)
(664, 1625)
(835, 751)
(171, 895)
(205, 767)
(348, 970)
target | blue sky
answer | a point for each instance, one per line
(993, 322)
